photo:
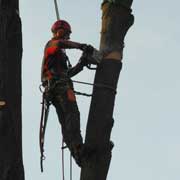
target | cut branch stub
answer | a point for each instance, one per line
(2, 103)
(116, 20)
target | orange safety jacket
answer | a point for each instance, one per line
(55, 58)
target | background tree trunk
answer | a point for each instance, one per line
(116, 20)
(11, 164)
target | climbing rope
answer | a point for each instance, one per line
(63, 177)
(70, 166)
(96, 85)
(43, 123)
(70, 173)
(56, 9)
(83, 94)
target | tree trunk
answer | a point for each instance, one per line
(11, 164)
(116, 20)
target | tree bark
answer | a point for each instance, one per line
(11, 163)
(116, 20)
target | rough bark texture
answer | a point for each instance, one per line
(116, 21)
(11, 165)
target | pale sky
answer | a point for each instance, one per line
(146, 132)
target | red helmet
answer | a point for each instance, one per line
(61, 24)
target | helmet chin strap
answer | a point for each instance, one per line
(56, 9)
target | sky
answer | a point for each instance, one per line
(146, 132)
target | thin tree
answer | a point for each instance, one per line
(11, 164)
(116, 20)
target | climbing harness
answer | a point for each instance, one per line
(43, 123)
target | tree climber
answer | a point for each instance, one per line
(56, 78)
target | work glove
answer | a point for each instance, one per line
(83, 61)
(87, 48)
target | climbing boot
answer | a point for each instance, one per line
(82, 154)
(76, 152)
